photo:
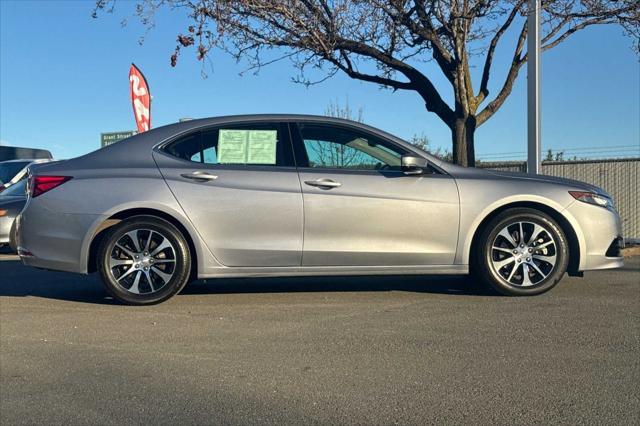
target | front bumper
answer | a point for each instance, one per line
(54, 240)
(600, 236)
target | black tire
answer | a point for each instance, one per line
(542, 275)
(159, 289)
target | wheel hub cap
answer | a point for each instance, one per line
(145, 262)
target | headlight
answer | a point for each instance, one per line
(593, 198)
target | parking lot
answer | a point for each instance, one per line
(390, 350)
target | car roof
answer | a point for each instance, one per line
(271, 116)
(136, 150)
(192, 124)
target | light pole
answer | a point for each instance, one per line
(533, 87)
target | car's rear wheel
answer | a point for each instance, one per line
(522, 252)
(144, 260)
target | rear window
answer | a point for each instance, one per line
(10, 169)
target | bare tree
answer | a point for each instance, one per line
(422, 141)
(559, 156)
(549, 156)
(334, 109)
(387, 42)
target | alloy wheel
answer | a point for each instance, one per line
(142, 261)
(524, 254)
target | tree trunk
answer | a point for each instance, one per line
(462, 136)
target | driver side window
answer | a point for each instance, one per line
(342, 148)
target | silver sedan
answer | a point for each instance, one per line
(291, 195)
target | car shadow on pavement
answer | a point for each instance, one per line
(416, 284)
(17, 280)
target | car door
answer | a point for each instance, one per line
(238, 185)
(360, 208)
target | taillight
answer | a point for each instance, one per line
(38, 185)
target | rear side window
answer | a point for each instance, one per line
(187, 147)
(262, 144)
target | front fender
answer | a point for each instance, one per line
(473, 221)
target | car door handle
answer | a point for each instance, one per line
(199, 176)
(323, 183)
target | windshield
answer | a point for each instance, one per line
(16, 190)
(10, 169)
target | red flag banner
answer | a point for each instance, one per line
(140, 98)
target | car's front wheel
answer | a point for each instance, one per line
(522, 252)
(144, 260)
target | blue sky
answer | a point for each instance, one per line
(64, 80)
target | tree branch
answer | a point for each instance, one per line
(423, 85)
(484, 91)
(566, 34)
(348, 69)
(516, 64)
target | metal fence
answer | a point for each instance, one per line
(619, 177)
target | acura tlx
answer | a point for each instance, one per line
(294, 195)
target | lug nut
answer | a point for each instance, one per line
(137, 257)
(146, 268)
(522, 245)
(515, 252)
(137, 266)
(519, 260)
(530, 250)
(528, 259)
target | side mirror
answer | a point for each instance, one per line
(412, 165)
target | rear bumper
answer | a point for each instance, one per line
(601, 236)
(53, 240)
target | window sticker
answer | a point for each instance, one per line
(247, 146)
(262, 147)
(232, 146)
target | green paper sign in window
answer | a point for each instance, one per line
(247, 146)
(232, 146)
(262, 147)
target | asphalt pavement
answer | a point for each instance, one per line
(386, 350)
